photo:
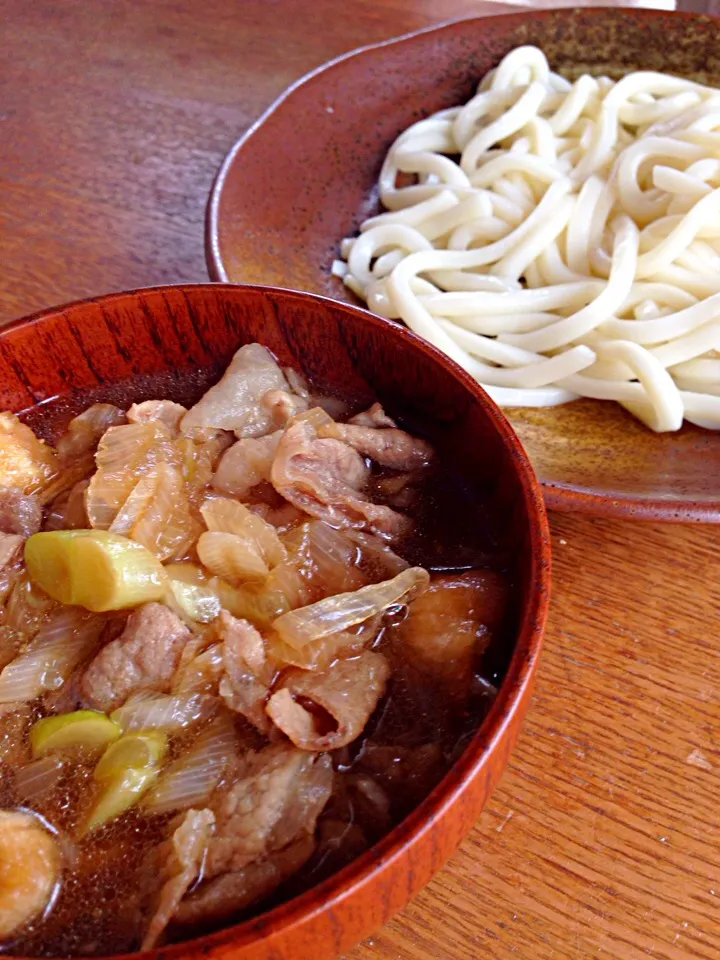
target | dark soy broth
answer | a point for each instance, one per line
(415, 733)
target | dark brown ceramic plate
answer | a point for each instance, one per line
(303, 177)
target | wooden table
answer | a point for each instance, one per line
(602, 840)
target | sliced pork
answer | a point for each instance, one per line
(324, 711)
(176, 864)
(144, 657)
(234, 403)
(231, 892)
(325, 478)
(246, 464)
(20, 513)
(277, 793)
(241, 687)
(167, 412)
(374, 416)
(389, 447)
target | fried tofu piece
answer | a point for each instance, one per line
(26, 463)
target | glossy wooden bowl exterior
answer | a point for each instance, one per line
(305, 177)
(94, 344)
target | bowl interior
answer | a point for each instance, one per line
(305, 177)
(158, 337)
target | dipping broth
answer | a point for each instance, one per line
(239, 643)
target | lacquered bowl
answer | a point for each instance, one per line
(305, 176)
(91, 346)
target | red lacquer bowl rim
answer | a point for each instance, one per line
(513, 689)
(557, 496)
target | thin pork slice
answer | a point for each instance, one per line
(242, 688)
(232, 892)
(341, 701)
(325, 478)
(277, 794)
(246, 464)
(20, 513)
(389, 447)
(166, 411)
(234, 402)
(144, 657)
(176, 864)
(374, 416)
(10, 546)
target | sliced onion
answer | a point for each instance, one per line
(377, 554)
(124, 454)
(37, 778)
(68, 510)
(85, 430)
(231, 557)
(333, 559)
(171, 714)
(229, 516)
(315, 416)
(201, 673)
(138, 501)
(68, 637)
(192, 602)
(190, 780)
(166, 526)
(344, 610)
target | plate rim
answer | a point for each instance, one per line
(558, 496)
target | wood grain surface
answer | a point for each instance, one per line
(602, 839)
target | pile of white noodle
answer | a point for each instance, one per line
(573, 249)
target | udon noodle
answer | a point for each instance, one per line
(559, 240)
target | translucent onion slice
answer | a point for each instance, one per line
(138, 501)
(166, 526)
(315, 416)
(319, 654)
(231, 557)
(376, 556)
(334, 614)
(71, 473)
(37, 778)
(230, 516)
(328, 559)
(194, 603)
(202, 673)
(124, 454)
(167, 713)
(260, 603)
(69, 637)
(84, 431)
(68, 510)
(27, 607)
(191, 779)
